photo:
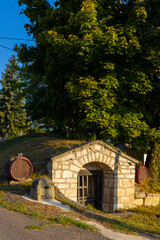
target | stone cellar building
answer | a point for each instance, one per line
(95, 173)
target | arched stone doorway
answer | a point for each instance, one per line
(118, 173)
(95, 186)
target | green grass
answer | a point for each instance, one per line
(32, 227)
(139, 223)
(20, 207)
(154, 211)
(142, 220)
(137, 220)
(68, 221)
(36, 147)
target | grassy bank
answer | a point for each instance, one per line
(38, 148)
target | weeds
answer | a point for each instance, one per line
(32, 227)
(67, 221)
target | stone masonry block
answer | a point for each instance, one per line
(120, 183)
(101, 157)
(77, 163)
(65, 167)
(74, 168)
(54, 165)
(58, 173)
(81, 153)
(66, 174)
(85, 159)
(139, 195)
(93, 157)
(84, 152)
(107, 152)
(130, 176)
(121, 192)
(60, 180)
(125, 200)
(111, 162)
(105, 157)
(127, 183)
(71, 192)
(81, 161)
(97, 147)
(78, 154)
(73, 185)
(97, 156)
(138, 202)
(117, 207)
(113, 155)
(129, 192)
(89, 157)
(71, 180)
(68, 156)
(152, 200)
(125, 171)
(63, 185)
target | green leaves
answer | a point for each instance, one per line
(95, 68)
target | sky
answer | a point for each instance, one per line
(11, 26)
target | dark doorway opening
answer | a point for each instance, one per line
(89, 189)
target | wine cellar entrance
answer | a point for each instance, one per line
(89, 187)
(97, 174)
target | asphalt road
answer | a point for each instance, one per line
(13, 224)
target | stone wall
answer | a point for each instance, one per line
(146, 199)
(118, 173)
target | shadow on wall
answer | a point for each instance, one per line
(115, 205)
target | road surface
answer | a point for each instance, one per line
(13, 224)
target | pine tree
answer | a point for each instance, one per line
(12, 114)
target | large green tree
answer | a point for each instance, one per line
(12, 114)
(95, 66)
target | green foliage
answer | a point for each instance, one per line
(12, 114)
(155, 168)
(95, 68)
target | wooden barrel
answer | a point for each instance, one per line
(19, 169)
(142, 174)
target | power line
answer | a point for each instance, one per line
(7, 48)
(19, 39)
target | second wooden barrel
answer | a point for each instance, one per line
(142, 174)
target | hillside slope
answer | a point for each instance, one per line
(36, 147)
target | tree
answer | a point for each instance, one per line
(95, 64)
(12, 114)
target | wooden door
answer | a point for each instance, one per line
(89, 189)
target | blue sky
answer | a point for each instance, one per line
(11, 26)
